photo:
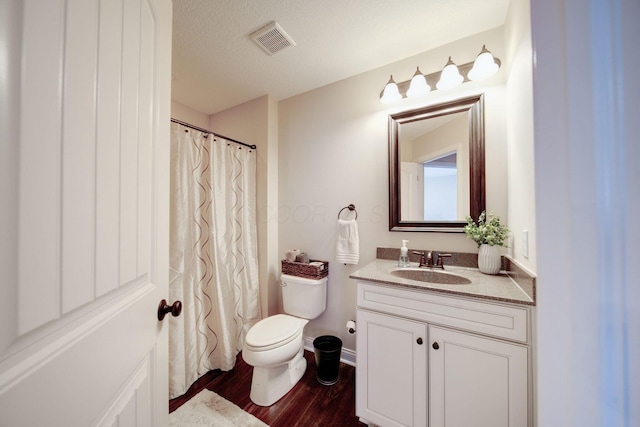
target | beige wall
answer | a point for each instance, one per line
(520, 132)
(444, 139)
(189, 115)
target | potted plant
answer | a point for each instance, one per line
(489, 234)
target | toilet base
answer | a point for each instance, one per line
(270, 383)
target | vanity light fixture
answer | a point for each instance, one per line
(451, 76)
(418, 86)
(484, 66)
(391, 93)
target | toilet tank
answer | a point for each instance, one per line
(302, 297)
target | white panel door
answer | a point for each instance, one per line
(412, 187)
(84, 158)
(476, 381)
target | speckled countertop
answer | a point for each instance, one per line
(500, 287)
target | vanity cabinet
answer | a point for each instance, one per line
(442, 361)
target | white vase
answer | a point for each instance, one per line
(489, 261)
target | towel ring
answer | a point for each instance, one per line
(352, 208)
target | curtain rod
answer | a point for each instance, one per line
(213, 133)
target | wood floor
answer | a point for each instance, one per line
(308, 404)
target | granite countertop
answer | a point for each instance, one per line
(500, 287)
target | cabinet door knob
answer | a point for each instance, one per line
(435, 345)
(419, 341)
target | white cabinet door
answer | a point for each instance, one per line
(476, 381)
(84, 159)
(391, 380)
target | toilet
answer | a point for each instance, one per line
(275, 347)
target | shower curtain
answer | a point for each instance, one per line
(213, 254)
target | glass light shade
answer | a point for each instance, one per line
(418, 86)
(484, 66)
(391, 92)
(450, 77)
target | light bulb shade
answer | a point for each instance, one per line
(450, 77)
(484, 66)
(391, 93)
(418, 86)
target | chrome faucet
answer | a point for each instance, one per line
(426, 259)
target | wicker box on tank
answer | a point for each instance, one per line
(302, 269)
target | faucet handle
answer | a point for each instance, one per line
(440, 256)
(423, 260)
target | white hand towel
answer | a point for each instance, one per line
(347, 244)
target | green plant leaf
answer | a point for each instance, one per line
(488, 230)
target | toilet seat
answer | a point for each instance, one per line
(273, 332)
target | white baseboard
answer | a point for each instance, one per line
(347, 356)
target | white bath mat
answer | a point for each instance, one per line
(208, 409)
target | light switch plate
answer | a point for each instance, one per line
(525, 243)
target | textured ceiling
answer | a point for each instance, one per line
(217, 66)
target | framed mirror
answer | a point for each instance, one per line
(436, 166)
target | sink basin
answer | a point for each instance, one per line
(431, 276)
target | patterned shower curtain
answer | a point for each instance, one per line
(213, 254)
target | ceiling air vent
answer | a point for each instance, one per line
(272, 38)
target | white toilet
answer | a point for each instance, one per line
(274, 346)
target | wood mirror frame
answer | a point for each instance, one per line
(474, 105)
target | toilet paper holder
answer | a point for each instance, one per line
(351, 327)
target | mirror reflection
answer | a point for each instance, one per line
(436, 166)
(434, 169)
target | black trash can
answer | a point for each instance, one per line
(327, 350)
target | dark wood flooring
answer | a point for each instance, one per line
(308, 404)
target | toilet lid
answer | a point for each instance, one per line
(273, 331)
